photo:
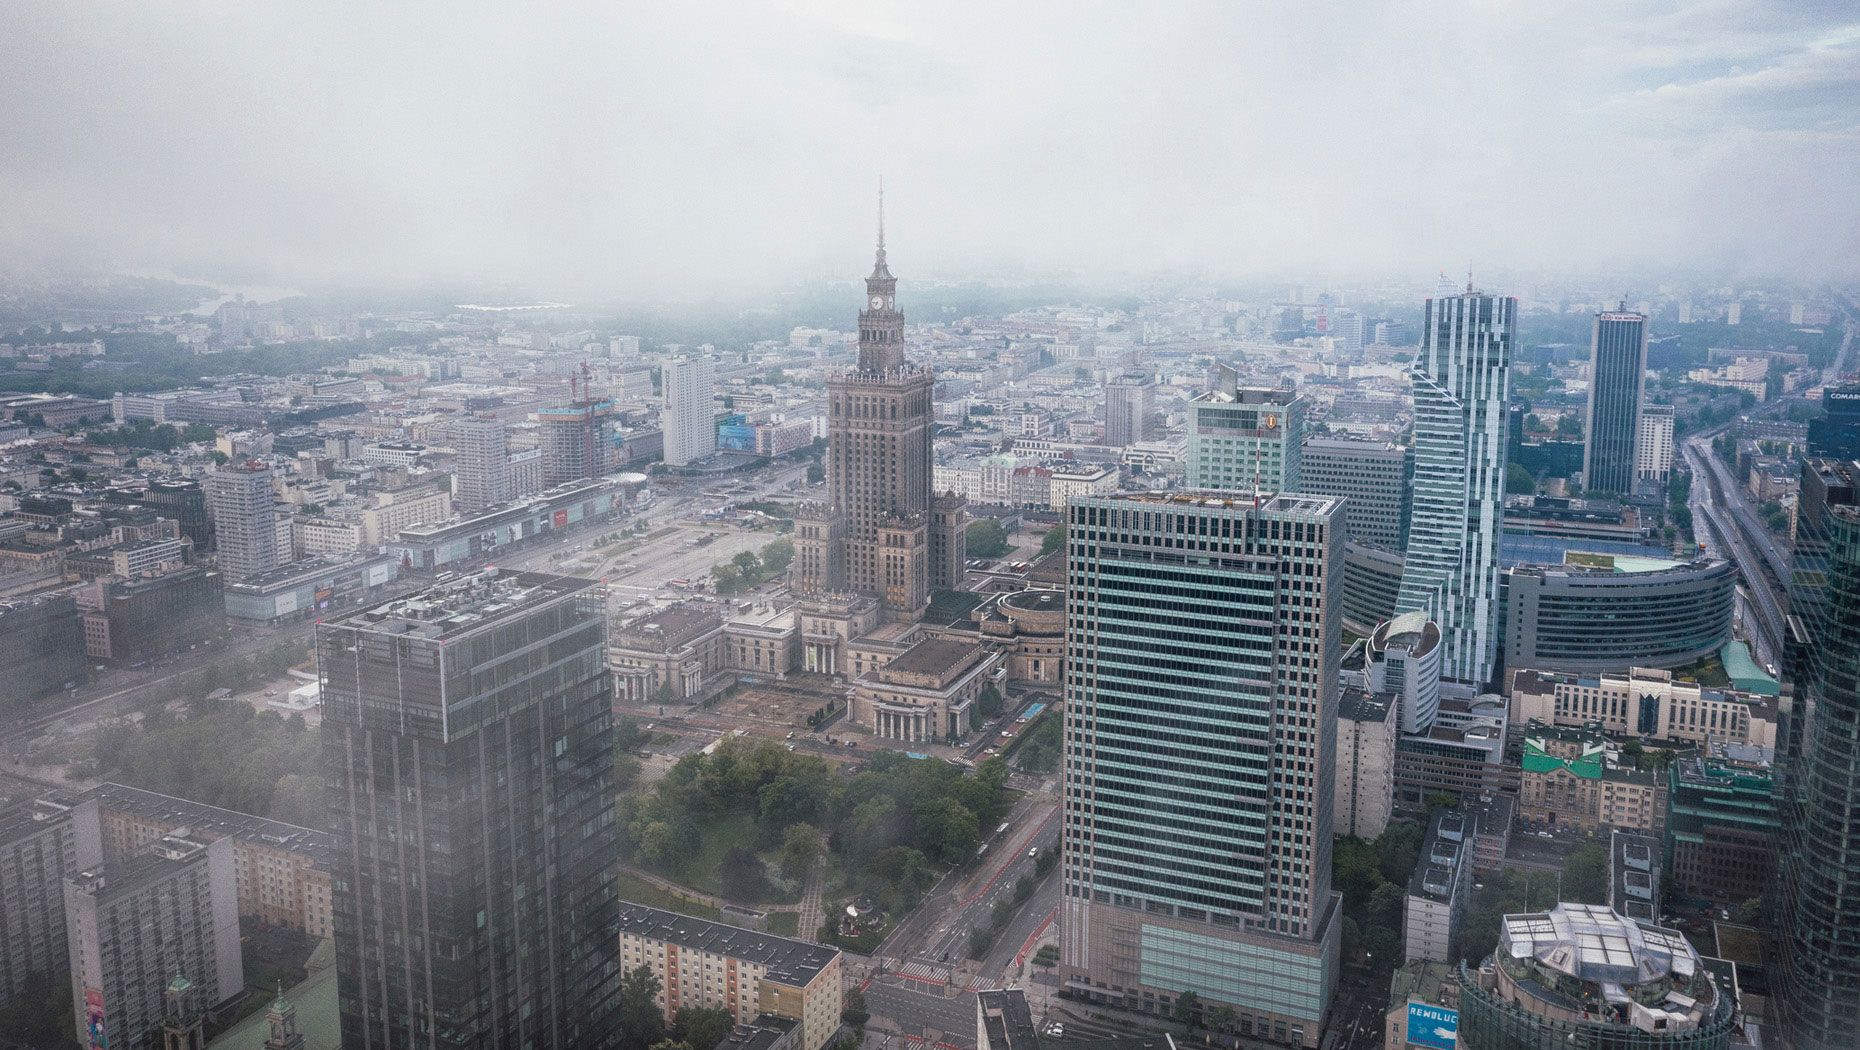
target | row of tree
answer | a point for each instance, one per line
(747, 571)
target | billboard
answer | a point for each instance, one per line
(1433, 1026)
(93, 1018)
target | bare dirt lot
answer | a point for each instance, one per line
(780, 703)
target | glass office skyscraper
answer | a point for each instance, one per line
(1617, 381)
(1200, 727)
(1818, 765)
(1461, 379)
(468, 749)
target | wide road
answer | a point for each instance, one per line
(1710, 517)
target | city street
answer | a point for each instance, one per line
(1709, 500)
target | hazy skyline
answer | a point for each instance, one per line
(631, 150)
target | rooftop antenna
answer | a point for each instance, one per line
(1469, 284)
(881, 213)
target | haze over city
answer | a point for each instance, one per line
(625, 152)
(914, 526)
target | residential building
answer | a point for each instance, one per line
(281, 872)
(1653, 449)
(1201, 728)
(393, 511)
(1574, 779)
(1070, 483)
(710, 965)
(1439, 889)
(461, 861)
(690, 417)
(1246, 439)
(393, 453)
(1461, 377)
(1723, 830)
(1644, 702)
(1816, 976)
(1374, 475)
(1365, 794)
(136, 924)
(1128, 402)
(1617, 389)
(1580, 976)
(245, 520)
(871, 536)
(481, 477)
(924, 694)
(42, 843)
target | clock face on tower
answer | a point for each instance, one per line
(878, 302)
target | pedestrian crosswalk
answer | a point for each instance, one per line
(924, 972)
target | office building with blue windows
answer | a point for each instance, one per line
(1200, 744)
(1617, 385)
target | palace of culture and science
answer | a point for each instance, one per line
(881, 534)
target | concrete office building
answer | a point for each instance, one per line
(1374, 475)
(468, 748)
(482, 476)
(1617, 386)
(1461, 378)
(1365, 794)
(1404, 658)
(41, 646)
(1722, 828)
(1817, 971)
(1128, 402)
(1201, 720)
(690, 415)
(1653, 450)
(1439, 889)
(136, 924)
(1245, 439)
(1598, 613)
(1644, 702)
(245, 519)
(873, 535)
(42, 843)
(1836, 435)
(747, 973)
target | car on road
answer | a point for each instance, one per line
(1033, 851)
(1055, 1030)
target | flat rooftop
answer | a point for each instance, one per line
(787, 960)
(446, 610)
(158, 808)
(934, 656)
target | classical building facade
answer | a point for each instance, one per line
(923, 694)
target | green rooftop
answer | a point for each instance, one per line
(1588, 766)
(1745, 673)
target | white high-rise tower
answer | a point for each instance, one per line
(1461, 382)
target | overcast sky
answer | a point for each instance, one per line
(636, 150)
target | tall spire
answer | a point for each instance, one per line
(879, 269)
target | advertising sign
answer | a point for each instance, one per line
(561, 518)
(1433, 1026)
(93, 1018)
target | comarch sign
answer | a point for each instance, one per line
(1433, 1026)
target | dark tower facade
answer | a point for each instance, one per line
(880, 422)
(467, 748)
(1617, 385)
(1817, 899)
